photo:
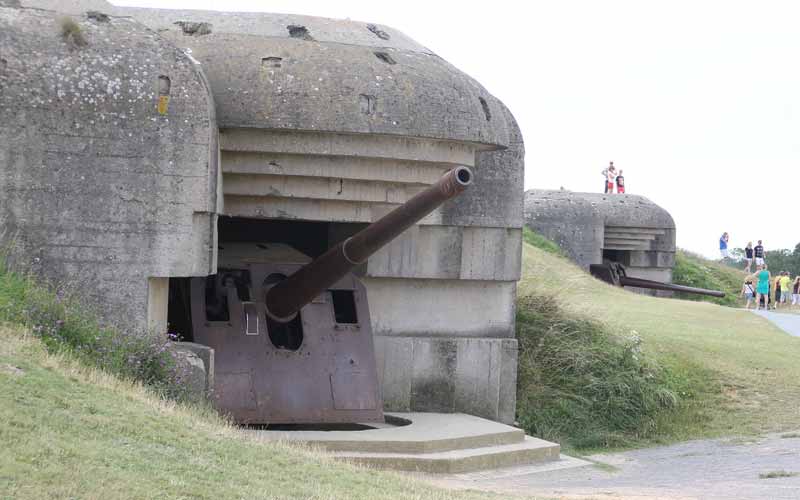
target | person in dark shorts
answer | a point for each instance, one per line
(748, 256)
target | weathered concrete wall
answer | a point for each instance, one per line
(638, 232)
(99, 190)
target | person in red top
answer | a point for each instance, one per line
(620, 183)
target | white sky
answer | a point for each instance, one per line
(697, 101)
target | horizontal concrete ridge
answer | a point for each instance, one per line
(630, 236)
(531, 450)
(347, 145)
(634, 230)
(347, 168)
(644, 243)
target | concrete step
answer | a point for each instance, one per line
(407, 433)
(529, 451)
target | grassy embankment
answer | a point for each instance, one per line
(693, 270)
(601, 366)
(69, 431)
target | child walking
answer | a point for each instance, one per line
(748, 292)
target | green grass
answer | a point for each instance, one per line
(693, 270)
(535, 239)
(734, 373)
(69, 431)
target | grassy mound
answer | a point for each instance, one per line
(73, 432)
(731, 371)
(693, 270)
(582, 386)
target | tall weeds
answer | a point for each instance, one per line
(581, 385)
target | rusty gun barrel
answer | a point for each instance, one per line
(657, 285)
(614, 273)
(286, 298)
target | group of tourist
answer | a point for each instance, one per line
(612, 179)
(768, 293)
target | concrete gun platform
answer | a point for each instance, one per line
(426, 442)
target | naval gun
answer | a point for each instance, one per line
(615, 274)
(291, 336)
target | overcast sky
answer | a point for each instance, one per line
(697, 101)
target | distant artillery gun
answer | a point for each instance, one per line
(292, 339)
(614, 273)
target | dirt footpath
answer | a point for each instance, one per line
(724, 469)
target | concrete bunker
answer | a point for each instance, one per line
(248, 154)
(597, 228)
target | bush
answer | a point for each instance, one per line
(582, 386)
(64, 324)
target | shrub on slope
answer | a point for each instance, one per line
(579, 384)
(63, 324)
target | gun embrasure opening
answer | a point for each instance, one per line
(286, 298)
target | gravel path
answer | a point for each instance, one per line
(723, 469)
(789, 323)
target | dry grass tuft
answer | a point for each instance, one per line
(71, 32)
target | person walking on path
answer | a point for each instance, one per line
(777, 288)
(748, 292)
(786, 287)
(762, 287)
(620, 183)
(748, 256)
(796, 291)
(723, 246)
(758, 254)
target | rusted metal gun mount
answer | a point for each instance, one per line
(292, 337)
(615, 274)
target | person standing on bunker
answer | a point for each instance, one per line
(796, 291)
(762, 287)
(620, 183)
(748, 256)
(758, 254)
(723, 245)
(609, 174)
